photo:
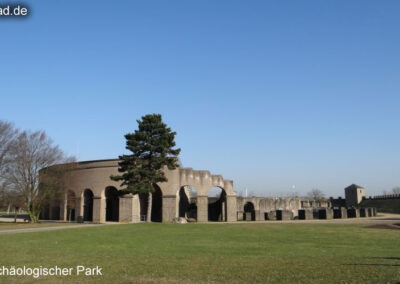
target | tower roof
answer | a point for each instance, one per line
(354, 186)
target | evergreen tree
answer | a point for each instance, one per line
(152, 150)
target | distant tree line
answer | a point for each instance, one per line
(395, 190)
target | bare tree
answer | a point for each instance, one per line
(31, 152)
(8, 134)
(396, 190)
(316, 194)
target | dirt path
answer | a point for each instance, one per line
(43, 229)
(384, 220)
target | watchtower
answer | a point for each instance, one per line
(354, 195)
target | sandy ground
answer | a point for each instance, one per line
(41, 229)
(384, 221)
(10, 219)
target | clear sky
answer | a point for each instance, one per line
(279, 96)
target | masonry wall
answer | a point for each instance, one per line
(94, 176)
(383, 205)
(264, 205)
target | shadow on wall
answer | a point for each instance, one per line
(112, 204)
(188, 202)
(217, 210)
(249, 212)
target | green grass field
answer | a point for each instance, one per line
(226, 253)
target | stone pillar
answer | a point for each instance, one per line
(357, 212)
(344, 212)
(168, 208)
(258, 215)
(79, 208)
(240, 215)
(272, 215)
(223, 207)
(99, 210)
(177, 201)
(202, 208)
(63, 210)
(231, 208)
(126, 209)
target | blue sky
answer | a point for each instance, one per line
(270, 94)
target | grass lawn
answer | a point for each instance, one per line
(227, 253)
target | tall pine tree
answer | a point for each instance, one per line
(152, 150)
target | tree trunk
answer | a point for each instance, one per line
(149, 205)
(34, 214)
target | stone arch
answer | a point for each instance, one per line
(144, 205)
(71, 205)
(156, 204)
(249, 211)
(151, 205)
(88, 205)
(217, 206)
(187, 202)
(112, 204)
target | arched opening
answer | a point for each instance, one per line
(112, 204)
(249, 212)
(71, 199)
(144, 205)
(156, 205)
(88, 205)
(217, 210)
(187, 202)
(45, 212)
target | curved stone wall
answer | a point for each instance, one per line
(95, 176)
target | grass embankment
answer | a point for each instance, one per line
(228, 253)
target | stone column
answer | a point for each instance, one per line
(177, 201)
(202, 208)
(79, 208)
(99, 210)
(231, 208)
(223, 207)
(63, 210)
(258, 215)
(126, 212)
(240, 215)
(168, 208)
